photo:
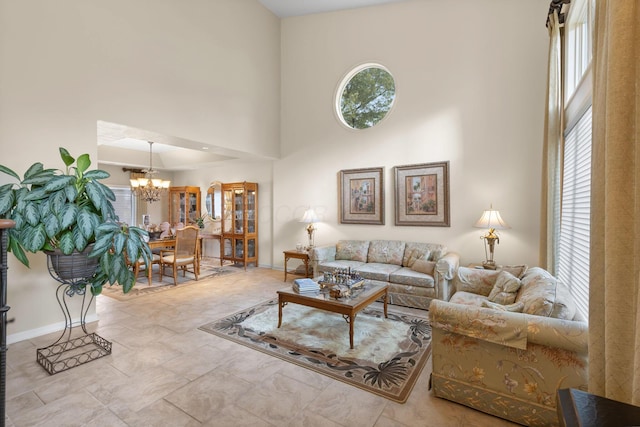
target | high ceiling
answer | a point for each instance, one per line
(286, 8)
(127, 146)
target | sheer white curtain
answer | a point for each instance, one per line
(550, 214)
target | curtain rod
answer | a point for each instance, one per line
(560, 6)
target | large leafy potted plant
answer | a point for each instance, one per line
(65, 213)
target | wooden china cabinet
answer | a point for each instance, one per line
(184, 205)
(240, 223)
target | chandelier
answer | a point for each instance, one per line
(149, 188)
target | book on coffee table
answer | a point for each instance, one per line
(305, 286)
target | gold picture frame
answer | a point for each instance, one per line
(362, 196)
(422, 194)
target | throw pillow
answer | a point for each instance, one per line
(516, 307)
(516, 270)
(505, 289)
(424, 266)
(417, 254)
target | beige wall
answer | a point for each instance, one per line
(204, 70)
(470, 80)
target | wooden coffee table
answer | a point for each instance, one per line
(348, 307)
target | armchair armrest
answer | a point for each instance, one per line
(323, 253)
(509, 329)
(448, 264)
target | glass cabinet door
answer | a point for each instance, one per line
(251, 211)
(227, 212)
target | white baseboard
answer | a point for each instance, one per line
(21, 336)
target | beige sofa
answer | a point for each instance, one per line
(509, 359)
(415, 272)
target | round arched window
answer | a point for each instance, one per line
(365, 96)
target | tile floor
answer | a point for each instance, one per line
(165, 372)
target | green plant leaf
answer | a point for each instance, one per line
(45, 208)
(32, 213)
(66, 157)
(9, 172)
(97, 174)
(85, 222)
(58, 201)
(15, 248)
(51, 225)
(35, 194)
(7, 198)
(33, 170)
(83, 163)
(59, 182)
(95, 195)
(68, 215)
(35, 238)
(103, 243)
(71, 193)
(40, 178)
(119, 241)
(66, 243)
(79, 240)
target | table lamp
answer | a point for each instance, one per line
(309, 218)
(492, 220)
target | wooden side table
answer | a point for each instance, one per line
(303, 255)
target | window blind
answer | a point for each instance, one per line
(124, 204)
(573, 243)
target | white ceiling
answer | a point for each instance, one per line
(286, 8)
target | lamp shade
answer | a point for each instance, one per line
(309, 217)
(491, 219)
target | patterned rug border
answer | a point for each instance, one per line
(142, 287)
(383, 377)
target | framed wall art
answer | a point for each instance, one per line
(422, 194)
(362, 196)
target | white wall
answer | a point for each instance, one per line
(471, 78)
(204, 70)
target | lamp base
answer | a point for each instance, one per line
(489, 265)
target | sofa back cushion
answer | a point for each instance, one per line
(386, 251)
(475, 280)
(352, 250)
(542, 295)
(414, 249)
(505, 289)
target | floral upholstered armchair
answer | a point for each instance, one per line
(509, 358)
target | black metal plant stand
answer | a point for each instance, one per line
(72, 348)
(5, 225)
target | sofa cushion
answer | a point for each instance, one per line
(352, 250)
(516, 307)
(410, 277)
(424, 266)
(505, 289)
(377, 271)
(386, 252)
(537, 292)
(330, 266)
(476, 280)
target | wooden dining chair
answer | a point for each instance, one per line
(183, 254)
(155, 259)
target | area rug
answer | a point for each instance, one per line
(387, 358)
(142, 288)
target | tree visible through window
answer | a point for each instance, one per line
(366, 97)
